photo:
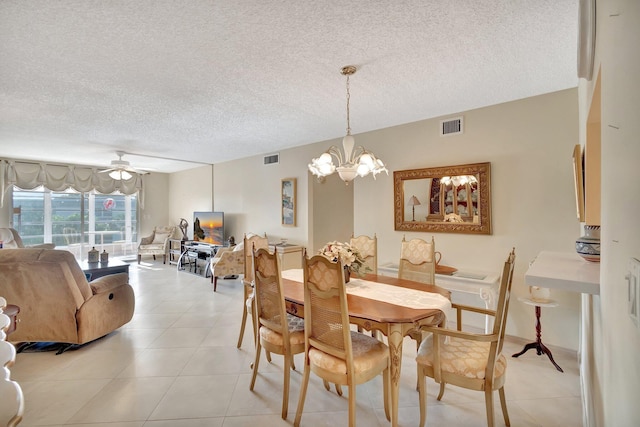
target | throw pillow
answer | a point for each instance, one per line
(159, 238)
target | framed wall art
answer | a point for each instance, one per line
(578, 175)
(288, 195)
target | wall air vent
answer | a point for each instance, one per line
(272, 158)
(453, 126)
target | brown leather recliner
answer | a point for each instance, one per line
(56, 302)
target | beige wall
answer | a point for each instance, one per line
(190, 191)
(616, 374)
(156, 201)
(330, 194)
(529, 144)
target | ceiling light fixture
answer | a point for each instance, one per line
(120, 175)
(351, 163)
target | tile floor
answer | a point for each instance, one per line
(176, 364)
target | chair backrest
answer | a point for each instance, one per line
(417, 261)
(368, 248)
(502, 308)
(269, 299)
(10, 238)
(326, 315)
(251, 243)
(162, 234)
(71, 235)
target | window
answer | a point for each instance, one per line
(75, 221)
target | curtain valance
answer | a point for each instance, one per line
(55, 177)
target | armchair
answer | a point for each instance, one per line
(226, 262)
(56, 302)
(157, 243)
(11, 240)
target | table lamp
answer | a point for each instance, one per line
(413, 201)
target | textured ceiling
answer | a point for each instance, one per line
(210, 81)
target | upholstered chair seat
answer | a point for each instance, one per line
(296, 333)
(462, 357)
(369, 356)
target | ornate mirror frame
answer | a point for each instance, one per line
(480, 223)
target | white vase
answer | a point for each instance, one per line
(588, 246)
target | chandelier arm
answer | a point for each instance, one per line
(335, 152)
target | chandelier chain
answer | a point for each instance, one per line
(348, 98)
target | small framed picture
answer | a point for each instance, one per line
(288, 194)
(578, 174)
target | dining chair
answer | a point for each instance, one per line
(469, 360)
(250, 242)
(332, 350)
(368, 248)
(417, 261)
(278, 331)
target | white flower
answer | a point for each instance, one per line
(349, 255)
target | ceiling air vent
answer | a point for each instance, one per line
(272, 158)
(453, 126)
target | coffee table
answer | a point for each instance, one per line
(99, 269)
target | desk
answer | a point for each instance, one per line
(392, 320)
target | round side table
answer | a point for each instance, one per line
(537, 344)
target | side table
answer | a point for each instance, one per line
(537, 344)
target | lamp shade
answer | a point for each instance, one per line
(413, 201)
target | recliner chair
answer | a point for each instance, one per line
(56, 302)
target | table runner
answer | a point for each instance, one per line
(391, 294)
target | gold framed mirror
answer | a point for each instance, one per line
(448, 199)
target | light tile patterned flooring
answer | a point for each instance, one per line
(176, 364)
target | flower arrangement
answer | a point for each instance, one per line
(349, 255)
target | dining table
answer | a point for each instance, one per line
(390, 305)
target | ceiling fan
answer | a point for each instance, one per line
(121, 169)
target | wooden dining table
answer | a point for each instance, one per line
(394, 321)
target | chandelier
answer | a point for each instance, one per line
(458, 180)
(351, 162)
